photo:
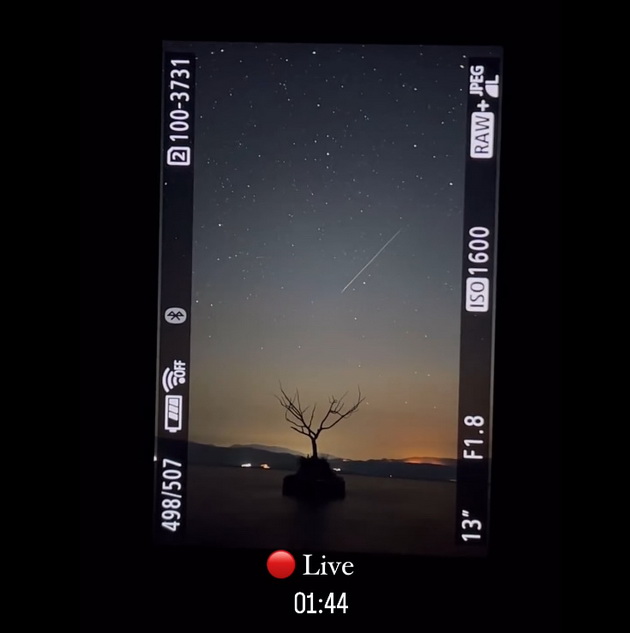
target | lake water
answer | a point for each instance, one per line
(245, 508)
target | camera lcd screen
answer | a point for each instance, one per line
(327, 293)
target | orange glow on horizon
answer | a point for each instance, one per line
(426, 460)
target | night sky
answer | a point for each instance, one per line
(309, 159)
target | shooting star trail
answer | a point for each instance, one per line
(389, 241)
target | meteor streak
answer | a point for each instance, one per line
(391, 239)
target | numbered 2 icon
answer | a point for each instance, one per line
(179, 156)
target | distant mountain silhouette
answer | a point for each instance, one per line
(273, 449)
(239, 454)
(280, 449)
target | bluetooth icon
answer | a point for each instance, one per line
(175, 315)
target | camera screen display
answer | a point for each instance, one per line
(327, 294)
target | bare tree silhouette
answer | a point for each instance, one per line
(301, 422)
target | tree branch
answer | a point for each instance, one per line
(299, 431)
(289, 404)
(295, 413)
(312, 415)
(337, 410)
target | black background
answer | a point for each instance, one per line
(126, 581)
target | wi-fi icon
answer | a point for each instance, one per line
(170, 379)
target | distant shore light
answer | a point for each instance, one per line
(337, 469)
(246, 465)
(265, 466)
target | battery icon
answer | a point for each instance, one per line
(173, 414)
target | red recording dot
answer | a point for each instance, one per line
(281, 564)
